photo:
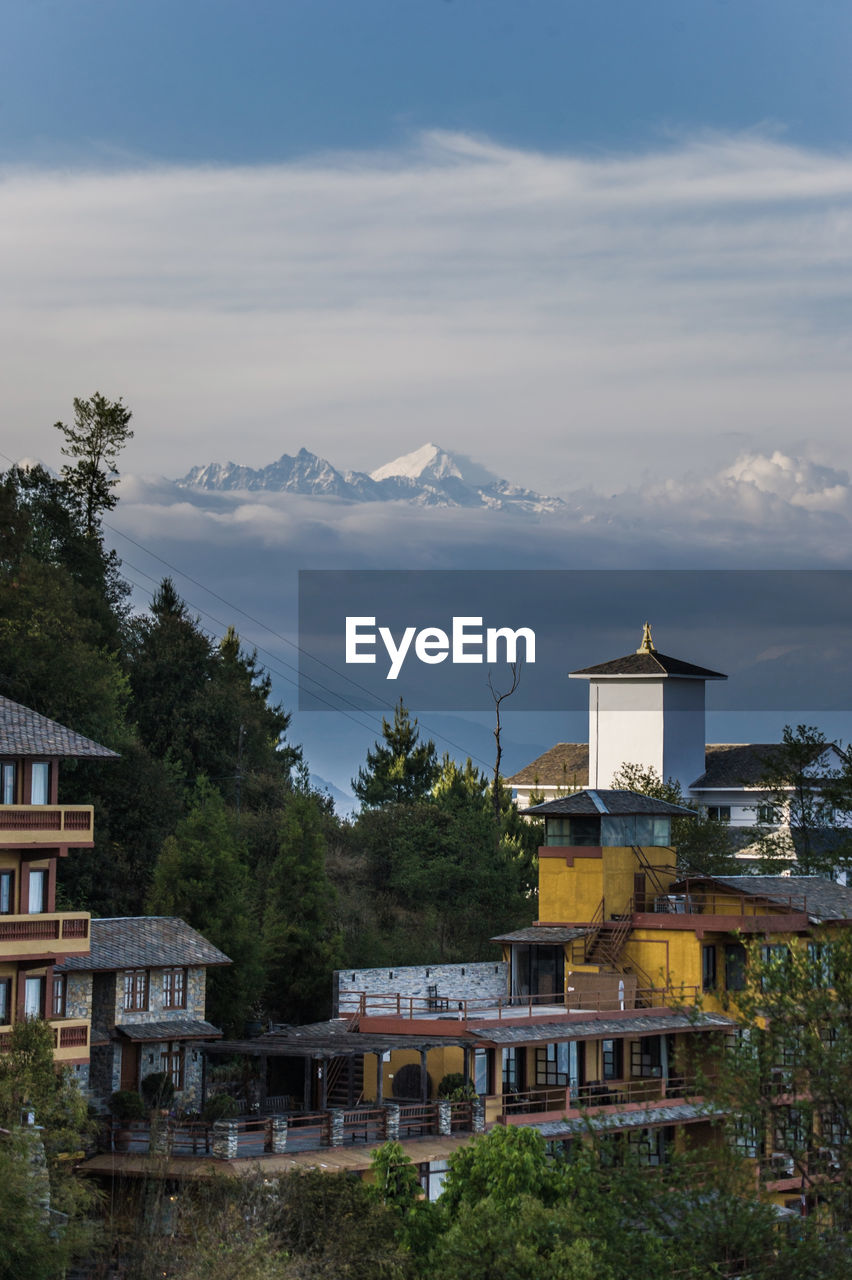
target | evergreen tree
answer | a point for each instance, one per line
(703, 845)
(402, 770)
(300, 939)
(201, 876)
(98, 434)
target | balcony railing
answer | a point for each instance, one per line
(363, 1004)
(46, 823)
(67, 932)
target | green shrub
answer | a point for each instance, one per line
(158, 1091)
(126, 1106)
(456, 1087)
(221, 1106)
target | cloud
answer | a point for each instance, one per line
(599, 319)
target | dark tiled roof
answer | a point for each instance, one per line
(608, 1028)
(545, 933)
(171, 1029)
(143, 942)
(740, 764)
(26, 733)
(336, 1039)
(822, 899)
(565, 765)
(647, 1118)
(650, 664)
(592, 803)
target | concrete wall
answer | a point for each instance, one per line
(482, 980)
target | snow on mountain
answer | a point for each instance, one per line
(428, 477)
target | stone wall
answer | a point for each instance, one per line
(481, 981)
(78, 995)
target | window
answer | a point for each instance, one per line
(7, 784)
(512, 1070)
(646, 1057)
(735, 966)
(769, 814)
(708, 967)
(40, 786)
(136, 990)
(37, 897)
(557, 1064)
(174, 988)
(612, 1054)
(821, 964)
(719, 812)
(7, 892)
(775, 959)
(59, 991)
(172, 1062)
(5, 1001)
(651, 1147)
(34, 998)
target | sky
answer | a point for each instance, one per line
(602, 249)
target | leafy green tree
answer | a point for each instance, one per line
(201, 876)
(96, 437)
(803, 791)
(301, 942)
(402, 769)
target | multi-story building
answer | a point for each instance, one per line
(144, 984)
(35, 832)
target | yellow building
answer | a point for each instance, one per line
(35, 832)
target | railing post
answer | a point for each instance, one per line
(335, 1135)
(392, 1122)
(477, 1108)
(225, 1139)
(279, 1135)
(445, 1117)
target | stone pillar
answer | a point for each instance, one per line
(336, 1115)
(445, 1117)
(158, 1135)
(478, 1113)
(225, 1143)
(279, 1135)
(391, 1122)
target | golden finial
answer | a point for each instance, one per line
(647, 645)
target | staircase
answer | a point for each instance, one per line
(338, 1081)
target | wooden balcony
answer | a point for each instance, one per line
(63, 933)
(46, 824)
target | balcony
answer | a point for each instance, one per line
(48, 933)
(70, 1039)
(46, 824)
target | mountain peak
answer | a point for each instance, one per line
(431, 462)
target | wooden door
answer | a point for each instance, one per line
(129, 1065)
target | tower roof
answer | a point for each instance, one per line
(594, 802)
(648, 662)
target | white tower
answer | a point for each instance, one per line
(646, 709)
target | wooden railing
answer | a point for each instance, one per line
(30, 820)
(592, 1000)
(43, 927)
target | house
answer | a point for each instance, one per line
(647, 708)
(35, 832)
(143, 984)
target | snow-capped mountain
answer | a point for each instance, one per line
(430, 476)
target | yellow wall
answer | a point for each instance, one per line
(571, 888)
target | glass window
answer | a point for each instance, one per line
(481, 1070)
(58, 1002)
(612, 1055)
(37, 892)
(136, 990)
(7, 784)
(735, 966)
(7, 892)
(708, 967)
(719, 812)
(34, 998)
(556, 1064)
(174, 988)
(511, 1070)
(172, 1062)
(5, 1001)
(39, 791)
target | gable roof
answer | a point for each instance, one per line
(744, 764)
(593, 803)
(144, 942)
(822, 899)
(650, 664)
(26, 733)
(565, 765)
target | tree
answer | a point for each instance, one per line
(201, 876)
(803, 793)
(98, 434)
(301, 943)
(402, 770)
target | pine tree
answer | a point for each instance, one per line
(99, 432)
(402, 770)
